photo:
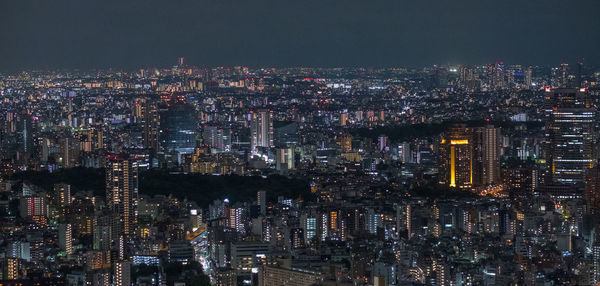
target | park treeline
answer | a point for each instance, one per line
(203, 189)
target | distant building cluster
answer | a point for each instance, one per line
(445, 175)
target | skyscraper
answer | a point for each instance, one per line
(121, 194)
(486, 161)
(33, 206)
(65, 237)
(563, 75)
(456, 158)
(261, 129)
(470, 157)
(178, 128)
(147, 115)
(570, 135)
(236, 219)
(218, 139)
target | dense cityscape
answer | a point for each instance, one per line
(194, 175)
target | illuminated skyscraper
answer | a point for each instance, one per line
(486, 155)
(218, 139)
(309, 224)
(403, 219)
(33, 206)
(261, 129)
(570, 135)
(236, 219)
(470, 157)
(122, 193)
(404, 153)
(563, 75)
(91, 139)
(147, 115)
(333, 220)
(65, 237)
(12, 269)
(178, 128)
(374, 221)
(456, 158)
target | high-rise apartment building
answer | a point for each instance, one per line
(30, 206)
(261, 129)
(65, 237)
(11, 270)
(122, 193)
(486, 162)
(146, 114)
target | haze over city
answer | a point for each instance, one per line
(263, 33)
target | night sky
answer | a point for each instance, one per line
(128, 34)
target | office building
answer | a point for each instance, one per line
(570, 147)
(456, 154)
(261, 129)
(178, 128)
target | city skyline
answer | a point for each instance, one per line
(299, 143)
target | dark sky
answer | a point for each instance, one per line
(128, 34)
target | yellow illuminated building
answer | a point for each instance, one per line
(333, 220)
(346, 143)
(456, 158)
(469, 157)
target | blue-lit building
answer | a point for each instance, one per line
(178, 128)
